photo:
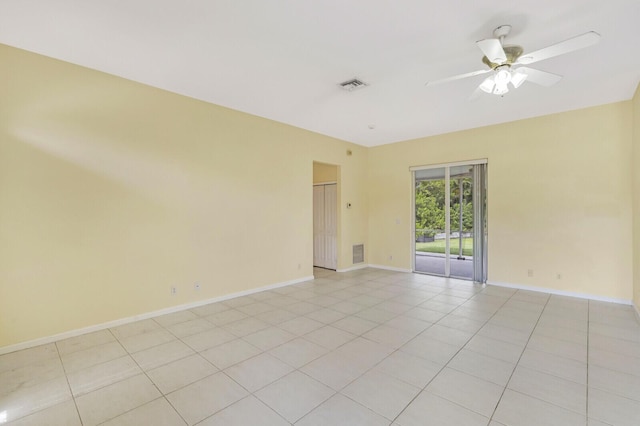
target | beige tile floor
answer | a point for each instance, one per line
(368, 347)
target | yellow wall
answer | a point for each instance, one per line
(559, 198)
(636, 198)
(111, 192)
(323, 173)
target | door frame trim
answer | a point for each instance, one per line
(457, 163)
(412, 213)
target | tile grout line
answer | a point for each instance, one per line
(198, 353)
(298, 369)
(339, 392)
(66, 377)
(249, 392)
(378, 363)
(162, 395)
(553, 403)
(506, 385)
(454, 355)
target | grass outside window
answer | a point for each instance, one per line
(437, 246)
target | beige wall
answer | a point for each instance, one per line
(111, 192)
(636, 198)
(559, 198)
(323, 173)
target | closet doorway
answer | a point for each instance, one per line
(325, 216)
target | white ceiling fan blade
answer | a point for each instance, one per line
(457, 77)
(475, 95)
(492, 49)
(542, 78)
(575, 43)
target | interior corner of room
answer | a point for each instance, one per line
(119, 200)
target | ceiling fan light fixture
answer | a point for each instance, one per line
(517, 78)
(487, 85)
(500, 89)
(503, 75)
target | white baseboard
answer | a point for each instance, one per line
(353, 268)
(390, 268)
(368, 265)
(561, 292)
(147, 315)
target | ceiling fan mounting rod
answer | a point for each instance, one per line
(501, 32)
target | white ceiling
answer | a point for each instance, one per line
(283, 59)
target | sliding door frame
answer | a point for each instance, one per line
(447, 167)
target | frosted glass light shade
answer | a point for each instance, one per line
(487, 85)
(503, 76)
(517, 78)
(500, 89)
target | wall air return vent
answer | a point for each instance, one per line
(352, 84)
(358, 253)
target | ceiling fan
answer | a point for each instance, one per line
(506, 62)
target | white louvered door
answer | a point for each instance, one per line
(331, 226)
(325, 226)
(318, 226)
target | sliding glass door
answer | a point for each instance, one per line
(450, 220)
(431, 187)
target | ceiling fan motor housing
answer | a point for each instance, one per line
(512, 52)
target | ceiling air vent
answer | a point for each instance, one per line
(352, 84)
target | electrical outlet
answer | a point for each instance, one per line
(530, 272)
(299, 265)
(390, 257)
(559, 276)
(174, 290)
(196, 286)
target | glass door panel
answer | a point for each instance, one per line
(461, 221)
(430, 220)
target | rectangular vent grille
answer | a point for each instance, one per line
(358, 253)
(352, 84)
